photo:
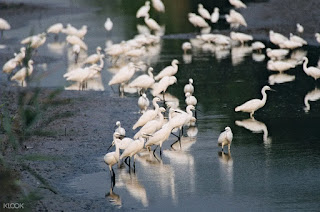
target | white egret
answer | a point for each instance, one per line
(197, 21)
(276, 54)
(20, 56)
(158, 5)
(297, 39)
(108, 24)
(69, 30)
(310, 71)
(189, 87)
(215, 15)
(203, 12)
(94, 58)
(144, 10)
(55, 29)
(72, 39)
(181, 119)
(120, 130)
(35, 41)
(10, 65)
(241, 37)
(163, 85)
(134, 147)
(237, 4)
(254, 104)
(112, 158)
(81, 75)
(124, 74)
(235, 19)
(144, 81)
(277, 38)
(159, 137)
(23, 73)
(190, 100)
(290, 44)
(148, 115)
(300, 28)
(82, 32)
(186, 46)
(169, 70)
(151, 23)
(4, 25)
(143, 102)
(258, 46)
(153, 125)
(225, 138)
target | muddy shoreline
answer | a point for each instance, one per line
(73, 147)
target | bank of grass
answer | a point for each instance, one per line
(24, 113)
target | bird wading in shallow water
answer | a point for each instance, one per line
(225, 138)
(254, 104)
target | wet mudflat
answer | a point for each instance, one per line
(274, 159)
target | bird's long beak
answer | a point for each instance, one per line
(199, 110)
(109, 147)
(273, 90)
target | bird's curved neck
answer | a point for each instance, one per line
(306, 103)
(305, 63)
(174, 65)
(161, 117)
(264, 96)
(101, 62)
(155, 104)
(189, 111)
(150, 73)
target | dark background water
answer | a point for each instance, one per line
(276, 168)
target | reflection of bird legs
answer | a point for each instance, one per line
(113, 178)
(155, 151)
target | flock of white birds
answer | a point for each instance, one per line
(132, 56)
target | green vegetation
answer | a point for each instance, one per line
(20, 121)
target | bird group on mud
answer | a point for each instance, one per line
(131, 57)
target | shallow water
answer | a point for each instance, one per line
(274, 161)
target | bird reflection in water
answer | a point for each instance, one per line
(114, 198)
(187, 58)
(280, 78)
(238, 53)
(134, 187)
(226, 165)
(313, 96)
(161, 174)
(256, 127)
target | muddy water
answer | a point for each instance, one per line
(274, 160)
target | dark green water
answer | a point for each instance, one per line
(275, 166)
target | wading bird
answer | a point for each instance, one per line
(254, 104)
(225, 138)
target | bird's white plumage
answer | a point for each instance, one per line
(311, 70)
(252, 105)
(225, 138)
(169, 70)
